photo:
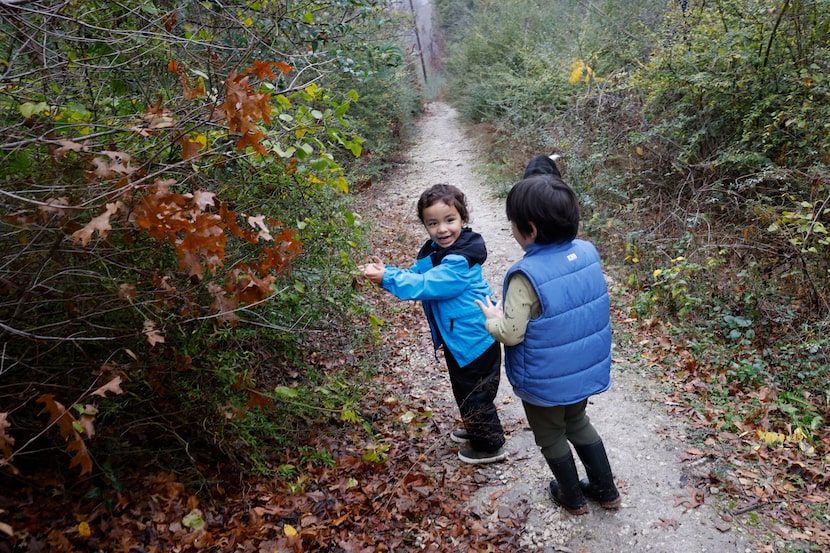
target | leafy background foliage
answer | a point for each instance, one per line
(696, 134)
(176, 229)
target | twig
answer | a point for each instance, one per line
(747, 508)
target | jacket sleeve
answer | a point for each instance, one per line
(445, 281)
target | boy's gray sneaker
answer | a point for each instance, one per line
(460, 436)
(474, 457)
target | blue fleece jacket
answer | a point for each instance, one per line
(565, 356)
(447, 282)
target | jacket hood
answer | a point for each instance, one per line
(469, 245)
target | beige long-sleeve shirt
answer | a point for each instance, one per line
(521, 305)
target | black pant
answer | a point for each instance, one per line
(475, 386)
(553, 427)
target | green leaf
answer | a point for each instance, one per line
(29, 109)
(341, 184)
(285, 392)
(319, 164)
(375, 322)
(194, 520)
(287, 153)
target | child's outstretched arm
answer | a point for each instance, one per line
(374, 270)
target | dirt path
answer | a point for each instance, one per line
(644, 444)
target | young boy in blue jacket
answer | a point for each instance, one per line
(556, 328)
(447, 278)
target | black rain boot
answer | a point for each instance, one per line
(565, 489)
(600, 483)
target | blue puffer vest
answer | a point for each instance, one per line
(565, 356)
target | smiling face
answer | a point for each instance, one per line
(443, 223)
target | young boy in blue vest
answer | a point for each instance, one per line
(556, 328)
(447, 278)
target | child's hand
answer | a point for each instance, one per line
(373, 271)
(490, 310)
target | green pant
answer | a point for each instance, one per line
(553, 427)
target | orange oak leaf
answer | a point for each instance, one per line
(191, 262)
(242, 108)
(257, 399)
(126, 291)
(6, 441)
(258, 222)
(152, 333)
(695, 499)
(190, 148)
(249, 288)
(113, 386)
(196, 91)
(284, 67)
(262, 69)
(66, 425)
(101, 224)
(68, 146)
(205, 200)
(278, 257)
(55, 206)
(229, 218)
(120, 162)
(169, 21)
(252, 139)
(666, 523)
(224, 305)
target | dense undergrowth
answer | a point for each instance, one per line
(176, 228)
(696, 135)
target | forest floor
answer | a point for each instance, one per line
(666, 506)
(391, 479)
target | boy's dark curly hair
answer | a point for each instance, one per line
(447, 194)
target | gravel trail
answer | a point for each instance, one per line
(645, 445)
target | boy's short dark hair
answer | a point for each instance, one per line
(447, 194)
(548, 203)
